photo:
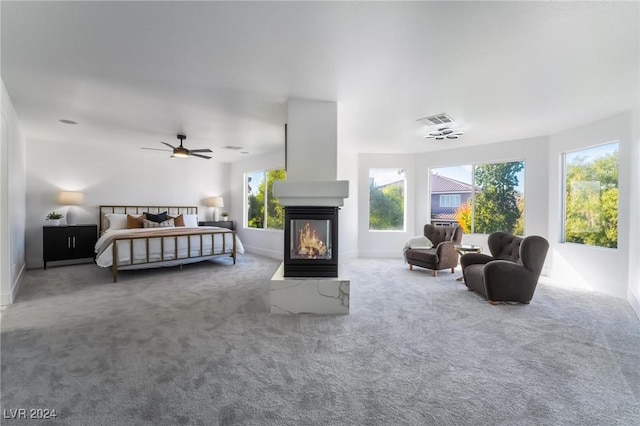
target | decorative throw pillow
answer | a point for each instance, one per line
(165, 224)
(191, 220)
(117, 221)
(178, 220)
(134, 222)
(160, 217)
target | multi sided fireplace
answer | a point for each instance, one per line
(311, 241)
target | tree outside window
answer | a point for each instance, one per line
(386, 199)
(591, 196)
(263, 209)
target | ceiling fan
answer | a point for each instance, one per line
(443, 133)
(181, 151)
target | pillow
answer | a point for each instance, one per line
(117, 220)
(178, 220)
(160, 217)
(151, 224)
(190, 220)
(419, 242)
(134, 222)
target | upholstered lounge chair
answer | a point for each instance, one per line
(511, 273)
(442, 255)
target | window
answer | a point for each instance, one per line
(482, 198)
(591, 196)
(263, 211)
(450, 200)
(386, 199)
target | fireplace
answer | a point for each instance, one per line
(311, 241)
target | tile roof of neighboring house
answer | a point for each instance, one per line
(444, 216)
(445, 184)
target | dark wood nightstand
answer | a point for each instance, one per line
(66, 242)
(229, 224)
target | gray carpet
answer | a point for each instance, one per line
(170, 347)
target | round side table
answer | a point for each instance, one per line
(463, 249)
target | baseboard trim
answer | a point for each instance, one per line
(353, 254)
(396, 254)
(8, 298)
(264, 252)
(634, 302)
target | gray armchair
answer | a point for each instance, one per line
(511, 273)
(442, 255)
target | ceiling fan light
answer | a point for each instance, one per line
(180, 155)
(446, 131)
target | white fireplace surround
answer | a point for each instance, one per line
(312, 194)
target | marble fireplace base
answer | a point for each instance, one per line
(294, 295)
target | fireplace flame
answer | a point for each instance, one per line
(309, 245)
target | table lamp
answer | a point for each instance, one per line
(71, 198)
(216, 203)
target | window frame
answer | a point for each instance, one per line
(245, 219)
(404, 200)
(474, 188)
(451, 196)
(563, 196)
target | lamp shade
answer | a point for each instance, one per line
(69, 198)
(215, 202)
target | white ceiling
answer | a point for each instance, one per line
(137, 73)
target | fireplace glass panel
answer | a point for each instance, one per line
(310, 239)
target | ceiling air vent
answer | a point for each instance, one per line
(436, 120)
(232, 147)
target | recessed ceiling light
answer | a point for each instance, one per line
(232, 147)
(65, 121)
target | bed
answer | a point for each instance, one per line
(142, 237)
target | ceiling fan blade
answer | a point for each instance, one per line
(198, 155)
(200, 150)
(158, 149)
(169, 145)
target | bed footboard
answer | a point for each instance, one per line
(207, 244)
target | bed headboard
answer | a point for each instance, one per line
(137, 210)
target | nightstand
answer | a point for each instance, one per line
(229, 224)
(66, 242)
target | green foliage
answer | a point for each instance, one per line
(519, 228)
(591, 201)
(54, 216)
(255, 216)
(386, 208)
(496, 207)
(275, 212)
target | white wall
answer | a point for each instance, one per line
(311, 140)
(12, 206)
(634, 206)
(348, 218)
(595, 268)
(265, 242)
(108, 175)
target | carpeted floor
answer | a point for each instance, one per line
(198, 346)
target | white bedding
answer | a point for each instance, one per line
(105, 258)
